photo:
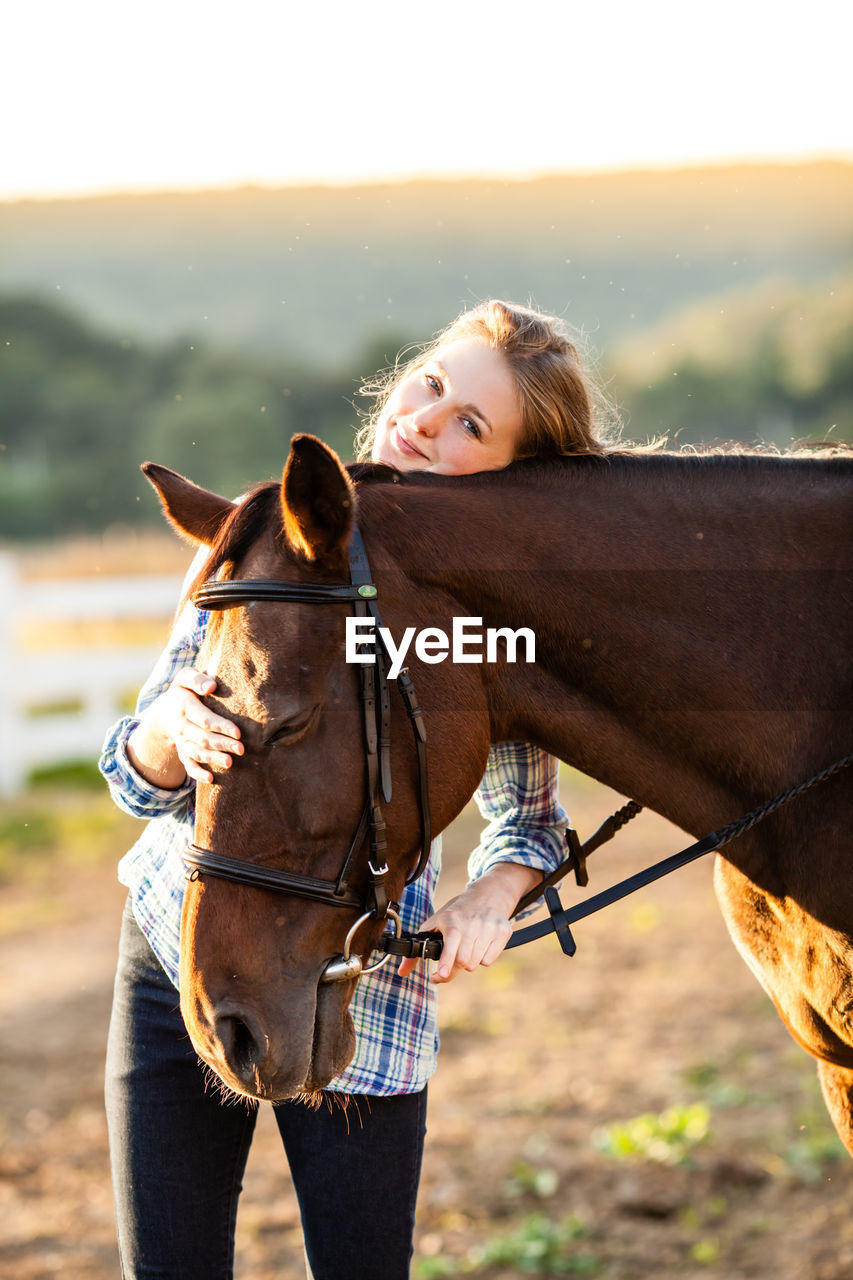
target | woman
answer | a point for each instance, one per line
(501, 383)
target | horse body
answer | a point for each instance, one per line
(665, 608)
(690, 617)
(691, 624)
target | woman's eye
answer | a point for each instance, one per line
(433, 383)
(471, 427)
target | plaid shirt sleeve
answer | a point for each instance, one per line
(153, 869)
(130, 791)
(518, 797)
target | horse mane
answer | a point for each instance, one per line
(251, 515)
(644, 461)
(238, 532)
(373, 473)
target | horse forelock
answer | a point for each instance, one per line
(240, 530)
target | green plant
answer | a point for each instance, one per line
(74, 773)
(63, 823)
(705, 1251)
(808, 1156)
(667, 1138)
(526, 1179)
(701, 1075)
(540, 1246)
(437, 1268)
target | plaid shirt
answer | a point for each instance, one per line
(394, 1018)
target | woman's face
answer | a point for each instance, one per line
(458, 413)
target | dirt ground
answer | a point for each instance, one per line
(540, 1055)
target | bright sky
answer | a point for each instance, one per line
(98, 95)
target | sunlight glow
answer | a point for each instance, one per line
(98, 97)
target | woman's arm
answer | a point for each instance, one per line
(525, 839)
(519, 797)
(152, 760)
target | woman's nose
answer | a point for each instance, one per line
(427, 420)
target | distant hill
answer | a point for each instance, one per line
(772, 363)
(322, 273)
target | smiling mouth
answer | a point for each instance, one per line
(405, 447)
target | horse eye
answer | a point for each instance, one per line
(292, 729)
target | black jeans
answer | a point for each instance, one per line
(178, 1152)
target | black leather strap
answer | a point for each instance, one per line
(407, 689)
(376, 721)
(203, 863)
(360, 575)
(360, 572)
(230, 592)
(560, 919)
(423, 946)
(226, 594)
(578, 853)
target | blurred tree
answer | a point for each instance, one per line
(772, 364)
(80, 411)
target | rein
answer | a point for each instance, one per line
(559, 919)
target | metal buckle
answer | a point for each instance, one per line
(347, 967)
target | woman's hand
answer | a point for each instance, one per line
(475, 924)
(179, 737)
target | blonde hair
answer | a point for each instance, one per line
(563, 410)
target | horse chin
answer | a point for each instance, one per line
(255, 1059)
(334, 1037)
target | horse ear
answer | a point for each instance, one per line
(317, 499)
(195, 513)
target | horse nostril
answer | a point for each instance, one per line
(243, 1045)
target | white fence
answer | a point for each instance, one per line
(95, 678)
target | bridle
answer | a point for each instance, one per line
(373, 903)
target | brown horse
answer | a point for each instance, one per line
(691, 616)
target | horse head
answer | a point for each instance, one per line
(254, 991)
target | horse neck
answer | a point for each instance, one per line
(685, 655)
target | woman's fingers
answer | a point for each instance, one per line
(450, 943)
(470, 939)
(198, 682)
(446, 967)
(204, 740)
(193, 686)
(193, 769)
(497, 946)
(465, 950)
